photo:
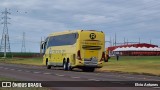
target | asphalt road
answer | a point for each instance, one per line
(40, 73)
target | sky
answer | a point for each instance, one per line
(129, 19)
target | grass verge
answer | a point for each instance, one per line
(2, 78)
(30, 61)
(149, 65)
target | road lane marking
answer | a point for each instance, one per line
(60, 75)
(142, 78)
(129, 77)
(6, 68)
(152, 79)
(19, 70)
(156, 87)
(75, 77)
(93, 80)
(113, 76)
(1, 67)
(47, 73)
(36, 72)
(12, 69)
(118, 76)
(98, 74)
(27, 71)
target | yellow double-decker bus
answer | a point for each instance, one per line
(82, 49)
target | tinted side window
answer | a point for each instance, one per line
(66, 39)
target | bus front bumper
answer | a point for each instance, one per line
(87, 66)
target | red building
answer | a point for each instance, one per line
(139, 50)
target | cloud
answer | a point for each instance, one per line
(26, 4)
(128, 18)
(90, 19)
(36, 25)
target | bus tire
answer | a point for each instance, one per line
(69, 67)
(88, 69)
(65, 66)
(48, 66)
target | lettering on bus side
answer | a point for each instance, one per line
(92, 43)
(56, 51)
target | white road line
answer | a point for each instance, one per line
(12, 69)
(19, 70)
(36, 72)
(118, 76)
(111, 75)
(156, 87)
(1, 67)
(129, 77)
(6, 68)
(47, 73)
(27, 71)
(75, 77)
(93, 80)
(141, 78)
(152, 79)
(98, 74)
(60, 75)
(148, 79)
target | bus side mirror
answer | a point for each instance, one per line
(42, 46)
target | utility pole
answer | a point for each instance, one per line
(113, 42)
(115, 39)
(41, 46)
(23, 49)
(5, 44)
(150, 41)
(124, 40)
(139, 40)
(110, 42)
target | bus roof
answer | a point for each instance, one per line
(69, 31)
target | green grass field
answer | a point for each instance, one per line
(19, 54)
(31, 61)
(149, 65)
(2, 78)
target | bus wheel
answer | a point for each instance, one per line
(65, 66)
(88, 69)
(69, 67)
(48, 66)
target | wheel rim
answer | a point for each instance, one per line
(64, 66)
(69, 66)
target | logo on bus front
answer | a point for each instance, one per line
(92, 36)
